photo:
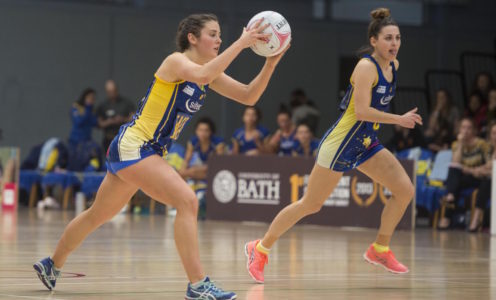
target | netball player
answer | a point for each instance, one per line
(352, 143)
(135, 156)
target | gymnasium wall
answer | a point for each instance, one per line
(50, 51)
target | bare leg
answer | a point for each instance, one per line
(161, 182)
(321, 183)
(112, 195)
(384, 168)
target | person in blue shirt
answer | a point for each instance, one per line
(283, 140)
(203, 145)
(252, 137)
(83, 118)
(305, 143)
(200, 148)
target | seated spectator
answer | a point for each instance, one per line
(469, 154)
(404, 138)
(482, 84)
(200, 147)
(86, 156)
(47, 157)
(484, 173)
(442, 121)
(252, 137)
(283, 141)
(114, 112)
(83, 118)
(304, 110)
(306, 145)
(477, 111)
(50, 156)
(491, 111)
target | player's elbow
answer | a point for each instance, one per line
(204, 79)
(250, 101)
(360, 114)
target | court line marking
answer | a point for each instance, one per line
(29, 297)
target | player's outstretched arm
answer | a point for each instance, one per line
(247, 94)
(178, 67)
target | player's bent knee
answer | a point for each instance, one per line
(405, 192)
(188, 205)
(311, 207)
(97, 218)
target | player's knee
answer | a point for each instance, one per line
(188, 204)
(406, 192)
(311, 207)
(97, 218)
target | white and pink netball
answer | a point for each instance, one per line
(280, 30)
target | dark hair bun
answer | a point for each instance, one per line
(380, 13)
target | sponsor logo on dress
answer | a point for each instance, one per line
(189, 90)
(192, 106)
(385, 100)
(381, 89)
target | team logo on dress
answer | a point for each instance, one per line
(366, 141)
(189, 90)
(224, 186)
(192, 106)
(381, 89)
(385, 100)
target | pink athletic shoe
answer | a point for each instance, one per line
(256, 261)
(386, 260)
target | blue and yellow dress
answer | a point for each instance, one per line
(161, 116)
(349, 142)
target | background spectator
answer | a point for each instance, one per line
(477, 111)
(203, 145)
(83, 117)
(47, 156)
(491, 111)
(484, 173)
(482, 84)
(469, 154)
(442, 122)
(252, 137)
(304, 110)
(283, 140)
(306, 145)
(200, 147)
(114, 112)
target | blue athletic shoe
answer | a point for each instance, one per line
(46, 272)
(208, 291)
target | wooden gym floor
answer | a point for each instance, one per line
(134, 257)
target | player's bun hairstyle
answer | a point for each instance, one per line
(208, 121)
(381, 17)
(191, 24)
